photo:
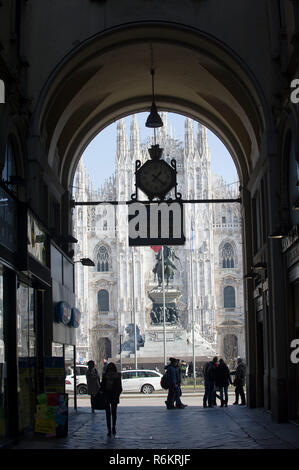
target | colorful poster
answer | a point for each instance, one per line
(45, 426)
(54, 375)
(51, 416)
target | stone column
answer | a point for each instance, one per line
(250, 317)
(277, 301)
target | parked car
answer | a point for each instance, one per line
(142, 380)
(81, 381)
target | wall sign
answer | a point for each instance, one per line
(75, 317)
(63, 313)
(36, 240)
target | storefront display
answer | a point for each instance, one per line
(54, 374)
(26, 356)
(3, 410)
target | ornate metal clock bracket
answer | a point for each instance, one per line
(178, 195)
(134, 196)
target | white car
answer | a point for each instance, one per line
(81, 381)
(141, 380)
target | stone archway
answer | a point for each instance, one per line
(213, 85)
(105, 349)
(230, 347)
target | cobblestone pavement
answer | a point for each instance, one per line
(147, 424)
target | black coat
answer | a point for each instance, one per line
(111, 386)
(209, 371)
(240, 375)
(222, 376)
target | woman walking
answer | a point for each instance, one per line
(111, 386)
(93, 381)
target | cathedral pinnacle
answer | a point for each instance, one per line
(162, 132)
(202, 141)
(189, 137)
(122, 144)
(134, 138)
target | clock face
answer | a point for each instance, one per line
(156, 178)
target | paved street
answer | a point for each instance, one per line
(145, 423)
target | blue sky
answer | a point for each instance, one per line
(99, 156)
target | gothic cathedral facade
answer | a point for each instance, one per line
(117, 293)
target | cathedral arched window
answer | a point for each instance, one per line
(105, 225)
(102, 259)
(227, 255)
(103, 300)
(229, 297)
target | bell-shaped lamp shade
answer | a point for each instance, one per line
(154, 120)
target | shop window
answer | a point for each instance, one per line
(26, 353)
(57, 350)
(3, 388)
(229, 297)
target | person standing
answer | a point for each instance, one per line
(173, 383)
(190, 369)
(93, 381)
(112, 388)
(209, 377)
(105, 364)
(222, 381)
(178, 402)
(239, 382)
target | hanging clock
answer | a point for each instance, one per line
(155, 177)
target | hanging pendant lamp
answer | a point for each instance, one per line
(154, 120)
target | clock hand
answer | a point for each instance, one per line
(156, 176)
(162, 182)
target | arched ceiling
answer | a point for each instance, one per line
(108, 77)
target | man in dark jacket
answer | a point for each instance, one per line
(173, 383)
(209, 376)
(190, 369)
(222, 381)
(178, 402)
(239, 382)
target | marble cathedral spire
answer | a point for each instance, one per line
(189, 137)
(122, 143)
(202, 141)
(80, 188)
(134, 139)
(163, 131)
